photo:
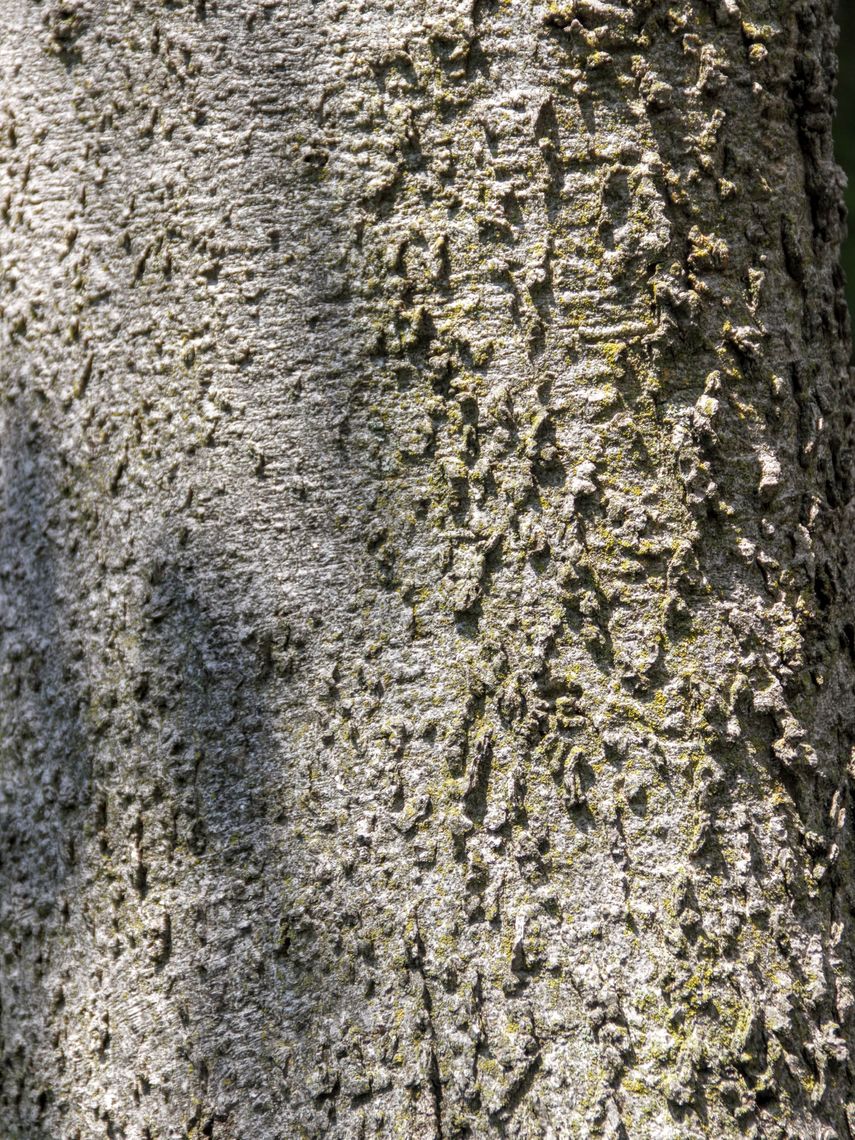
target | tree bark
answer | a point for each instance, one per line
(426, 572)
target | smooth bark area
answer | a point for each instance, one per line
(426, 697)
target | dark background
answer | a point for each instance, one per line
(845, 133)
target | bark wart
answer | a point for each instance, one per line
(426, 588)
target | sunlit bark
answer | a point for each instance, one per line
(426, 693)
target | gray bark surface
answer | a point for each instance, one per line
(426, 695)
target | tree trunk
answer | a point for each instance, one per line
(427, 677)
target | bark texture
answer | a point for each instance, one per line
(427, 677)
